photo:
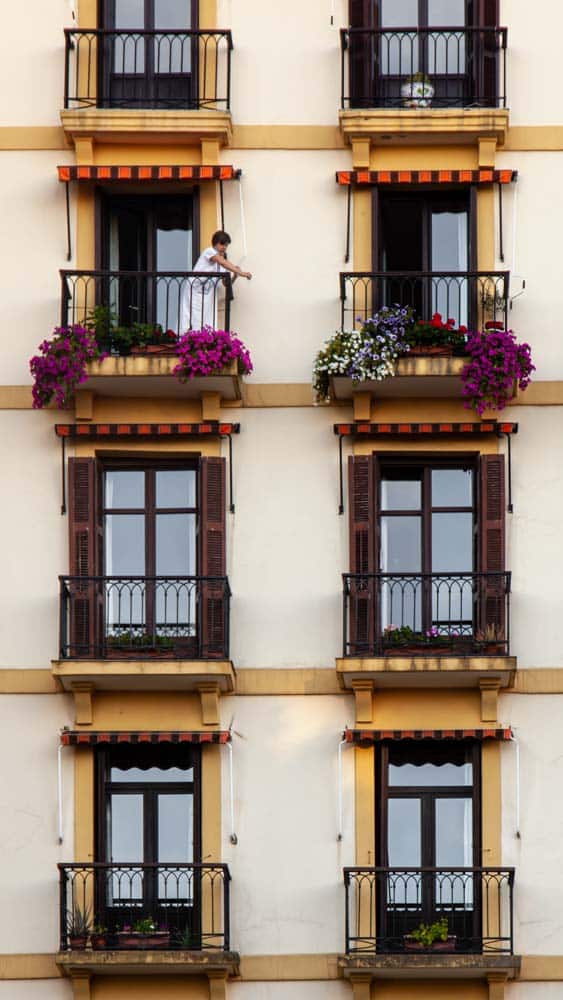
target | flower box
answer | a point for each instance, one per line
(437, 350)
(136, 939)
(448, 945)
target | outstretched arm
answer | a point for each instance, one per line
(233, 268)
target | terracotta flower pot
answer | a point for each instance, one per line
(78, 942)
(438, 350)
(99, 942)
(164, 350)
(134, 939)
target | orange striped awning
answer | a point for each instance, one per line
(420, 430)
(222, 172)
(73, 738)
(74, 432)
(366, 737)
(481, 176)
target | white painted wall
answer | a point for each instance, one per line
(290, 991)
(29, 726)
(40, 989)
(32, 63)
(533, 991)
(287, 889)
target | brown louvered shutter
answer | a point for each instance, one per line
(487, 61)
(214, 617)
(83, 550)
(362, 590)
(361, 54)
(492, 545)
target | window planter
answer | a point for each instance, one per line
(448, 945)
(99, 942)
(135, 939)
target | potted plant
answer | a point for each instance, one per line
(491, 639)
(430, 937)
(436, 336)
(99, 937)
(144, 933)
(497, 363)
(78, 927)
(127, 644)
(417, 91)
(208, 352)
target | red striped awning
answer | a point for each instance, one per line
(73, 738)
(222, 172)
(482, 176)
(419, 430)
(74, 432)
(366, 737)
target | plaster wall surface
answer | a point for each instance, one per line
(32, 65)
(536, 855)
(29, 846)
(290, 991)
(41, 989)
(33, 539)
(288, 894)
(533, 991)
(533, 61)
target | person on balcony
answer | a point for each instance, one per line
(200, 294)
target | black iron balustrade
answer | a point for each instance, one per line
(188, 906)
(175, 70)
(107, 617)
(454, 67)
(384, 906)
(176, 300)
(430, 614)
(471, 298)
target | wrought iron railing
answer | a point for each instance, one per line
(427, 613)
(108, 617)
(176, 300)
(471, 298)
(437, 67)
(102, 906)
(384, 906)
(133, 68)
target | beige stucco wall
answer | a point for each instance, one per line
(290, 991)
(42, 989)
(32, 64)
(287, 893)
(534, 991)
(29, 846)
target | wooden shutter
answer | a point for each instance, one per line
(487, 66)
(361, 54)
(492, 507)
(362, 592)
(83, 550)
(213, 604)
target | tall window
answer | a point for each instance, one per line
(428, 818)
(148, 59)
(149, 831)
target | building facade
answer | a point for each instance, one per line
(280, 678)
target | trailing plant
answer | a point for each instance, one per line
(203, 352)
(496, 362)
(60, 367)
(368, 353)
(427, 934)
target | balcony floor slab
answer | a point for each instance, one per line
(431, 966)
(426, 671)
(144, 675)
(129, 963)
(412, 126)
(151, 376)
(141, 126)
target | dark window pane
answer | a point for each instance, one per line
(452, 487)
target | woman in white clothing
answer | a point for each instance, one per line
(200, 295)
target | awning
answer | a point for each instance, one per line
(424, 430)
(73, 738)
(367, 737)
(96, 172)
(482, 176)
(126, 432)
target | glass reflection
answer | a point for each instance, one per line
(175, 488)
(454, 849)
(125, 840)
(400, 494)
(452, 487)
(404, 851)
(125, 489)
(430, 775)
(152, 774)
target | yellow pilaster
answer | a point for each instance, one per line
(209, 697)
(490, 688)
(361, 986)
(361, 154)
(217, 985)
(81, 987)
(82, 692)
(487, 152)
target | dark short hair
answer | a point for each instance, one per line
(220, 237)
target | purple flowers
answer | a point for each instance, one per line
(496, 362)
(61, 366)
(206, 351)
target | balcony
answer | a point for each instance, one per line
(384, 906)
(107, 912)
(174, 301)
(471, 298)
(420, 83)
(144, 633)
(426, 629)
(122, 83)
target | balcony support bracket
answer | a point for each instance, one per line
(209, 698)
(361, 985)
(82, 691)
(81, 987)
(363, 692)
(496, 983)
(217, 985)
(489, 687)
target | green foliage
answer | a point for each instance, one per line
(79, 921)
(145, 926)
(427, 934)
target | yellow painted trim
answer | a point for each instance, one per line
(491, 808)
(110, 125)
(37, 137)
(485, 229)
(415, 126)
(143, 674)
(211, 848)
(364, 761)
(362, 229)
(83, 804)
(32, 681)
(273, 968)
(286, 137)
(534, 138)
(267, 681)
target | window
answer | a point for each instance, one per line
(149, 60)
(428, 820)
(147, 557)
(148, 834)
(426, 551)
(155, 239)
(422, 232)
(452, 44)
